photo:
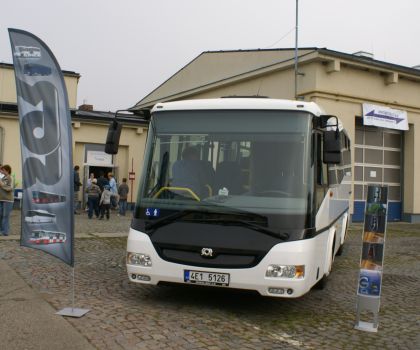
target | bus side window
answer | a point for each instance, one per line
(321, 173)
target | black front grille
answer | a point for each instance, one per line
(220, 259)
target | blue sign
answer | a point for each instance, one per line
(370, 282)
(152, 212)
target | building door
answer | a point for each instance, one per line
(377, 160)
(96, 162)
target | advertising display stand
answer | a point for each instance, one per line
(72, 311)
(372, 257)
(47, 202)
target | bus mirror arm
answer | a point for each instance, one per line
(114, 130)
(113, 136)
(324, 121)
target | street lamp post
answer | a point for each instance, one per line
(296, 51)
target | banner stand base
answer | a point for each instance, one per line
(72, 312)
(366, 326)
(370, 304)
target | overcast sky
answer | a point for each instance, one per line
(125, 49)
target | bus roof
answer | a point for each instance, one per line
(240, 103)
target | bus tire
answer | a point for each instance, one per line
(341, 249)
(322, 283)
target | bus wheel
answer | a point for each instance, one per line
(341, 249)
(322, 283)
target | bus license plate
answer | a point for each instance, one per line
(208, 278)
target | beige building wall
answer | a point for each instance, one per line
(11, 145)
(133, 137)
(265, 85)
(343, 93)
(130, 153)
(412, 164)
(8, 86)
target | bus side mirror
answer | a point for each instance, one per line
(332, 147)
(113, 138)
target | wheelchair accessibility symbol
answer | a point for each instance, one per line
(152, 212)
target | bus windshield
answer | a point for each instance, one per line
(252, 161)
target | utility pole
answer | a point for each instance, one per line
(296, 51)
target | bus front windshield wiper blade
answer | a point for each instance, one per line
(153, 225)
(167, 219)
(220, 220)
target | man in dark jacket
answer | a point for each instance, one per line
(77, 184)
(123, 192)
(102, 180)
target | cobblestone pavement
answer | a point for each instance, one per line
(128, 316)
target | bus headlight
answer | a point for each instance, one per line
(139, 259)
(285, 271)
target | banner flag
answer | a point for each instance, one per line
(46, 145)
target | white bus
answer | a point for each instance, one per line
(245, 193)
(39, 216)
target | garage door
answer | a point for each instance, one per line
(377, 160)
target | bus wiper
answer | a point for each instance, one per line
(251, 225)
(167, 219)
(224, 221)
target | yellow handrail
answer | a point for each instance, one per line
(169, 188)
(210, 190)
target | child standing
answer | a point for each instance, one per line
(105, 202)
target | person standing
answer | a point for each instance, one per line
(102, 180)
(77, 184)
(123, 192)
(114, 190)
(6, 198)
(93, 193)
(105, 202)
(88, 183)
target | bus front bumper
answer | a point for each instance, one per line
(291, 253)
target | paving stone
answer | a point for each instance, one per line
(128, 316)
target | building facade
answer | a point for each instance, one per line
(89, 130)
(341, 84)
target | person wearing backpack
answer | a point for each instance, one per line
(94, 193)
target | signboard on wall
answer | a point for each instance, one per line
(384, 117)
(99, 158)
